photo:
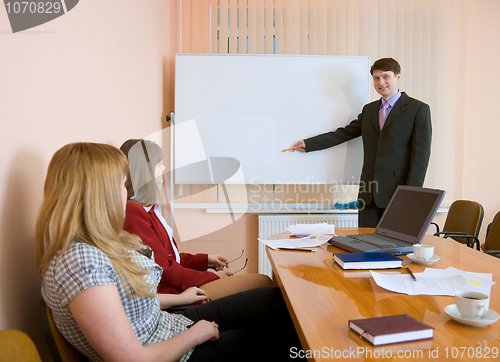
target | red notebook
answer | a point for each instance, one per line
(391, 329)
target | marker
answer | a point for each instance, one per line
(288, 149)
(293, 249)
(413, 276)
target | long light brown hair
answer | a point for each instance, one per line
(82, 203)
(143, 157)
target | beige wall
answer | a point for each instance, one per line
(477, 175)
(103, 72)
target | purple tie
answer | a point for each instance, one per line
(383, 113)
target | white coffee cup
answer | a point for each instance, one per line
(423, 251)
(472, 305)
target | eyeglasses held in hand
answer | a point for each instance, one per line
(244, 266)
(243, 251)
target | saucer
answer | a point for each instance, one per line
(430, 261)
(490, 317)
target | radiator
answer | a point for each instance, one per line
(273, 224)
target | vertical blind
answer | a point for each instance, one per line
(431, 39)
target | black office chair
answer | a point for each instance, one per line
(463, 222)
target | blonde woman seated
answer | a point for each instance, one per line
(144, 218)
(100, 281)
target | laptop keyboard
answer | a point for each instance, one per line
(379, 241)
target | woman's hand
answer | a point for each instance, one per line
(192, 295)
(224, 273)
(189, 296)
(205, 331)
(217, 262)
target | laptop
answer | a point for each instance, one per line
(403, 223)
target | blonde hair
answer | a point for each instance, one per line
(143, 156)
(83, 203)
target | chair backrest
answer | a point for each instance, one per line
(492, 240)
(465, 217)
(60, 349)
(17, 346)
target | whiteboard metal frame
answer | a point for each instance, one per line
(172, 186)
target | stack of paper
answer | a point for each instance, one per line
(308, 242)
(308, 229)
(436, 282)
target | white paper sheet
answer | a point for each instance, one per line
(308, 229)
(436, 282)
(310, 241)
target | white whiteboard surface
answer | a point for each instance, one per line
(250, 107)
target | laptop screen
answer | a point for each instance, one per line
(410, 212)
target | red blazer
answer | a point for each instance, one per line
(192, 271)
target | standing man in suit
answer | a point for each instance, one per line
(396, 132)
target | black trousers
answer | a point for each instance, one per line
(369, 215)
(253, 326)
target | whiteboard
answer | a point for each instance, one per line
(241, 110)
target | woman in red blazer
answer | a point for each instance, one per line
(144, 218)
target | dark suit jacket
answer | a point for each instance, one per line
(192, 271)
(397, 155)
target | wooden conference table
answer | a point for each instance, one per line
(321, 300)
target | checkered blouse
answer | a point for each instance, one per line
(82, 266)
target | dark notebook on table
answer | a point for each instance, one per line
(391, 329)
(402, 225)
